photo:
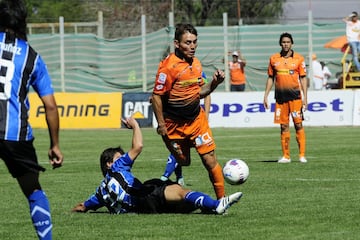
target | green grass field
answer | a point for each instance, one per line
(317, 200)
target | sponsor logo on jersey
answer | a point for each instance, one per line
(282, 72)
(159, 87)
(186, 83)
(295, 114)
(203, 139)
(162, 78)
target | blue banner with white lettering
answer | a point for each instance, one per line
(139, 107)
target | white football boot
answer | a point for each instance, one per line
(284, 160)
(227, 201)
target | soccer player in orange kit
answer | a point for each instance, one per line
(182, 122)
(288, 71)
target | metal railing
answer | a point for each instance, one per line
(55, 27)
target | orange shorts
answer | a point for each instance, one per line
(196, 133)
(283, 111)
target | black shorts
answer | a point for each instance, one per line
(153, 199)
(20, 157)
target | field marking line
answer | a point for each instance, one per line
(326, 179)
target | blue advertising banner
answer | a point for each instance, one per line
(139, 107)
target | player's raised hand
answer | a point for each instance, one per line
(130, 122)
(219, 76)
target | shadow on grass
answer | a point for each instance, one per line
(268, 161)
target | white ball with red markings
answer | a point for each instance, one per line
(236, 171)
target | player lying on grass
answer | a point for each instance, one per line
(121, 192)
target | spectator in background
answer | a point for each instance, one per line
(318, 74)
(353, 36)
(237, 73)
(326, 72)
(22, 67)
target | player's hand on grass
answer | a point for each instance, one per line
(80, 207)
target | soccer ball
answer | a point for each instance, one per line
(235, 171)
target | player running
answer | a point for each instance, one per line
(182, 123)
(171, 165)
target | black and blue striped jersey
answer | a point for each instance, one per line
(20, 67)
(119, 190)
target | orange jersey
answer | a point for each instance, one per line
(237, 73)
(179, 84)
(286, 73)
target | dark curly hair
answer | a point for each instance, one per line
(107, 156)
(13, 14)
(288, 35)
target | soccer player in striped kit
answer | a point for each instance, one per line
(20, 68)
(121, 192)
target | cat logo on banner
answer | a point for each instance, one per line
(138, 106)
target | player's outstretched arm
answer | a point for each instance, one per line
(137, 139)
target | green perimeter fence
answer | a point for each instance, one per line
(93, 64)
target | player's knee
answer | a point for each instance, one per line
(284, 127)
(175, 192)
(182, 160)
(298, 126)
(29, 183)
(209, 160)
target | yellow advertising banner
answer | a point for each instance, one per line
(80, 110)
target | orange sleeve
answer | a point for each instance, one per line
(302, 67)
(164, 79)
(270, 70)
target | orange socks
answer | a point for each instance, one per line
(300, 138)
(285, 144)
(217, 179)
